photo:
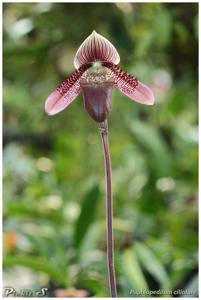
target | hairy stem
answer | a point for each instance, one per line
(109, 209)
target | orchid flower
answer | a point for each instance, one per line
(97, 72)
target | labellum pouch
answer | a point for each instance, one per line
(98, 100)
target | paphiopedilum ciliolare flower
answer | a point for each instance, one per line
(97, 72)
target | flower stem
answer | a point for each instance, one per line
(109, 209)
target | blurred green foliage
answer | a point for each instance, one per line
(54, 186)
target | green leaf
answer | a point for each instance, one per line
(32, 210)
(155, 147)
(50, 247)
(144, 44)
(151, 263)
(37, 264)
(133, 270)
(86, 216)
(163, 28)
(192, 288)
(91, 240)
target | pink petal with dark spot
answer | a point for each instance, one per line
(55, 103)
(96, 48)
(68, 90)
(131, 86)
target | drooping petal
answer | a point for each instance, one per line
(131, 86)
(68, 90)
(56, 102)
(96, 48)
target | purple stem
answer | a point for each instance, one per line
(109, 210)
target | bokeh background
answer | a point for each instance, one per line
(54, 185)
